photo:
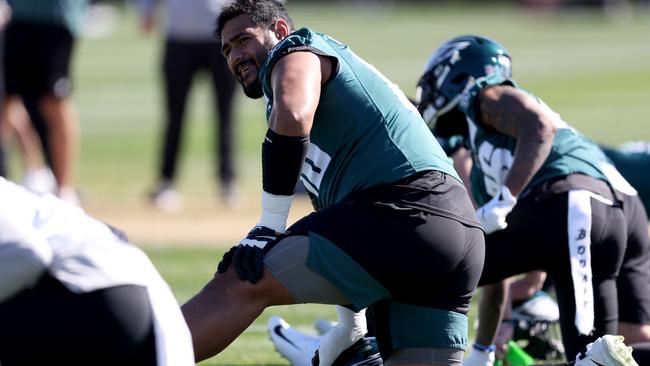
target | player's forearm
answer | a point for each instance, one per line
(282, 158)
(533, 147)
(516, 114)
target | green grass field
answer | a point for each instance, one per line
(593, 69)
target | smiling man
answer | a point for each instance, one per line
(392, 217)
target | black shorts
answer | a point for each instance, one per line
(37, 59)
(416, 270)
(538, 237)
(634, 278)
(398, 245)
(50, 325)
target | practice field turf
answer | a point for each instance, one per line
(592, 68)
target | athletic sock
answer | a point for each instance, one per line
(350, 328)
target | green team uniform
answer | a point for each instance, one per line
(388, 202)
(361, 115)
(567, 221)
(632, 159)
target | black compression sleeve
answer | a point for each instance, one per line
(282, 158)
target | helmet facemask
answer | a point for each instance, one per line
(434, 106)
(452, 71)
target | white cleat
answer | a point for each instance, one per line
(608, 350)
(295, 346)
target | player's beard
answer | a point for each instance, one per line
(254, 89)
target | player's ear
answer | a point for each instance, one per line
(281, 29)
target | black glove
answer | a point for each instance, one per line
(226, 260)
(249, 254)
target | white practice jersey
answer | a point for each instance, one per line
(41, 234)
(81, 252)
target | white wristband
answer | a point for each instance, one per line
(275, 211)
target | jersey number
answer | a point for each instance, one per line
(494, 163)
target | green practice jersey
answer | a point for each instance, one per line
(493, 152)
(365, 131)
(632, 160)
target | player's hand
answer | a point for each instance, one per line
(249, 254)
(478, 357)
(259, 236)
(492, 215)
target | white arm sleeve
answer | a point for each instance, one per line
(275, 211)
(24, 256)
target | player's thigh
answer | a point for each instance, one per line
(586, 279)
(535, 236)
(370, 253)
(634, 277)
(287, 262)
(538, 232)
(425, 267)
(604, 308)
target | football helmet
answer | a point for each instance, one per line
(537, 327)
(453, 69)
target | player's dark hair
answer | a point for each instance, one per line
(261, 12)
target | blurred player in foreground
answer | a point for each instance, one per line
(73, 291)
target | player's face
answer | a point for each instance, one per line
(245, 47)
(451, 124)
